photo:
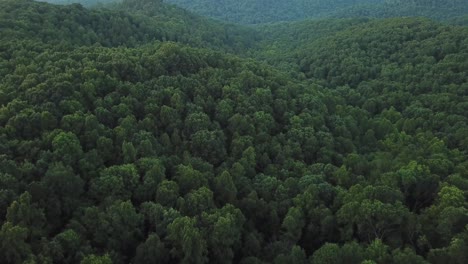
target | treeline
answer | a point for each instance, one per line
(152, 151)
(270, 11)
(74, 25)
(430, 3)
(86, 3)
(446, 11)
(266, 11)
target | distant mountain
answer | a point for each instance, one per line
(461, 21)
(439, 10)
(267, 11)
(76, 25)
(270, 11)
(87, 3)
(187, 27)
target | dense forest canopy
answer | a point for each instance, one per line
(447, 11)
(264, 11)
(77, 26)
(267, 11)
(143, 133)
(87, 3)
(270, 11)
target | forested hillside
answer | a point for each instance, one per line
(270, 11)
(267, 11)
(447, 11)
(147, 134)
(87, 3)
(74, 25)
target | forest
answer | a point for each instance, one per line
(270, 11)
(86, 3)
(140, 132)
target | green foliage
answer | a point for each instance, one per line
(451, 11)
(87, 3)
(74, 25)
(225, 189)
(93, 259)
(152, 251)
(146, 134)
(269, 11)
(189, 245)
(14, 248)
(266, 11)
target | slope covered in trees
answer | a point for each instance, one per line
(270, 11)
(76, 26)
(267, 11)
(439, 10)
(87, 3)
(125, 144)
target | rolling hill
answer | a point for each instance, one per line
(270, 11)
(143, 133)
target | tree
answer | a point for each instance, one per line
(378, 252)
(418, 185)
(407, 256)
(93, 259)
(10, 188)
(154, 173)
(209, 145)
(374, 218)
(225, 189)
(105, 148)
(248, 161)
(13, 245)
(117, 229)
(447, 217)
(197, 201)
(297, 255)
(157, 217)
(67, 148)
(224, 230)
(293, 224)
(455, 252)
(189, 244)
(64, 190)
(26, 214)
(129, 152)
(151, 251)
(327, 254)
(167, 193)
(66, 247)
(196, 122)
(189, 178)
(118, 182)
